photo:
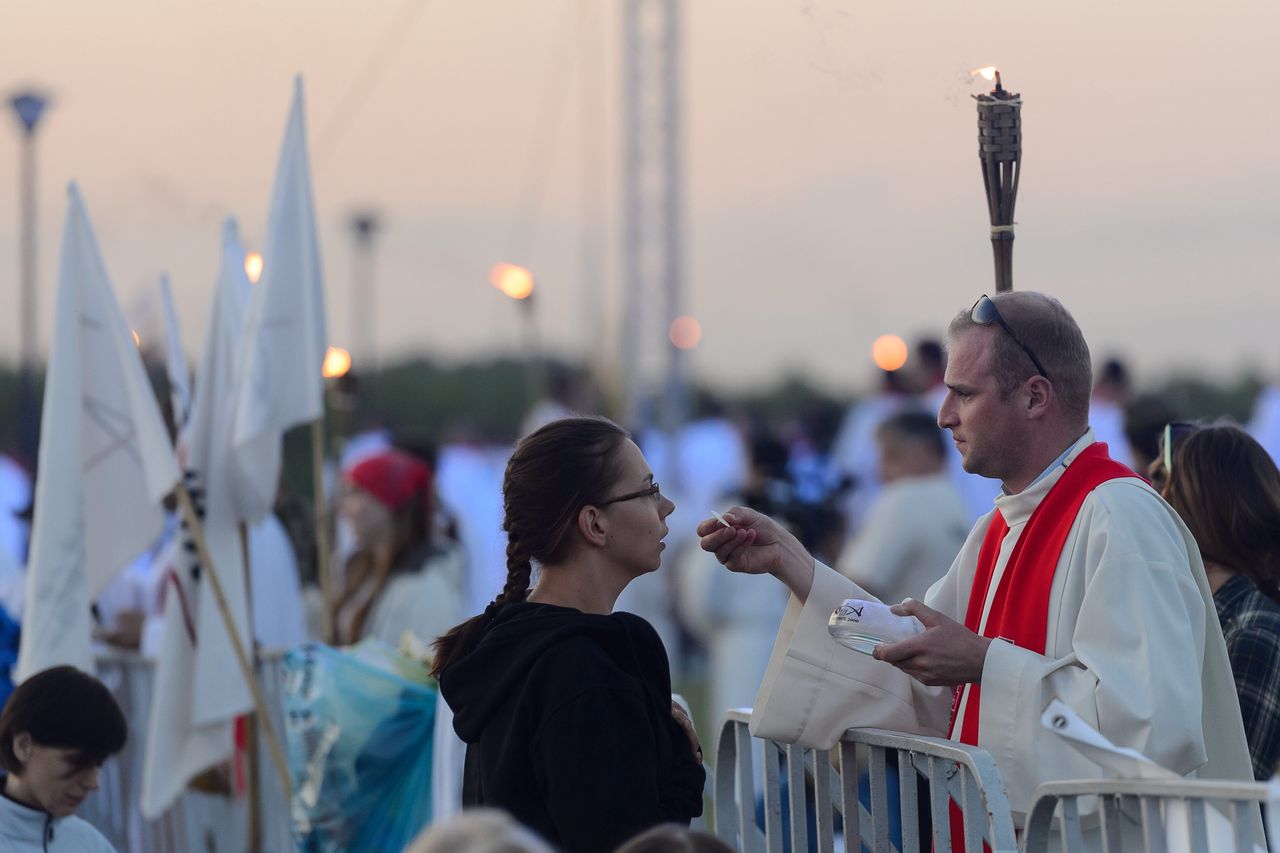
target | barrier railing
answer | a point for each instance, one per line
(831, 785)
(1146, 815)
(196, 821)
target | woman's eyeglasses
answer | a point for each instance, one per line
(651, 491)
(984, 313)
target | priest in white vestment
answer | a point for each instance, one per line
(1130, 640)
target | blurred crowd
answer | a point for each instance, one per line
(418, 543)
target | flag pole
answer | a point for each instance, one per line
(237, 645)
(252, 758)
(322, 526)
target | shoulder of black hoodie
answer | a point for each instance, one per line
(624, 654)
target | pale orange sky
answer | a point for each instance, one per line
(833, 191)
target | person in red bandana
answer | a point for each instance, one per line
(403, 576)
(1081, 585)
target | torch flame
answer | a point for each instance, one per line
(337, 362)
(988, 73)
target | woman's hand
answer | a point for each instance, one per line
(756, 545)
(682, 719)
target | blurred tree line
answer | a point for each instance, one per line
(427, 402)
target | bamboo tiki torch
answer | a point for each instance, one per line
(1000, 150)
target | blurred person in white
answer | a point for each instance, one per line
(56, 731)
(15, 499)
(706, 462)
(1264, 423)
(478, 831)
(1111, 393)
(732, 615)
(130, 612)
(918, 522)
(403, 575)
(568, 392)
(854, 450)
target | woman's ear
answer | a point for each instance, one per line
(592, 525)
(22, 745)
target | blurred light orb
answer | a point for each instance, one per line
(253, 266)
(685, 332)
(889, 352)
(513, 280)
(337, 362)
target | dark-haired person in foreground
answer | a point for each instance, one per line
(1082, 585)
(566, 706)
(56, 730)
(1227, 490)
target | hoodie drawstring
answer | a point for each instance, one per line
(48, 831)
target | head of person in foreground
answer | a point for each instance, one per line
(56, 730)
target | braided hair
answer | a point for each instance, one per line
(551, 476)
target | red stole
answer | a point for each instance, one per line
(1020, 609)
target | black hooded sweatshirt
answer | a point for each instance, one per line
(567, 720)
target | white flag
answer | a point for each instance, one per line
(285, 335)
(199, 688)
(105, 461)
(176, 359)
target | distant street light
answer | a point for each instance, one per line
(28, 106)
(685, 332)
(514, 281)
(253, 266)
(889, 352)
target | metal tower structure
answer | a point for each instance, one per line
(653, 221)
(28, 106)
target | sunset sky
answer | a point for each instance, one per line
(833, 190)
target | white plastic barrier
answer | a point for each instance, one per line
(1148, 815)
(196, 821)
(829, 782)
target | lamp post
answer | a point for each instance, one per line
(516, 283)
(28, 106)
(364, 225)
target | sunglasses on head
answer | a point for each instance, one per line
(984, 313)
(1173, 431)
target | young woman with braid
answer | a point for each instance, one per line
(565, 706)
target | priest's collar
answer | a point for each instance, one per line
(1061, 462)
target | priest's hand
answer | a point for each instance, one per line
(755, 544)
(946, 654)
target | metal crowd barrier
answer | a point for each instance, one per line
(830, 783)
(196, 821)
(1147, 815)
